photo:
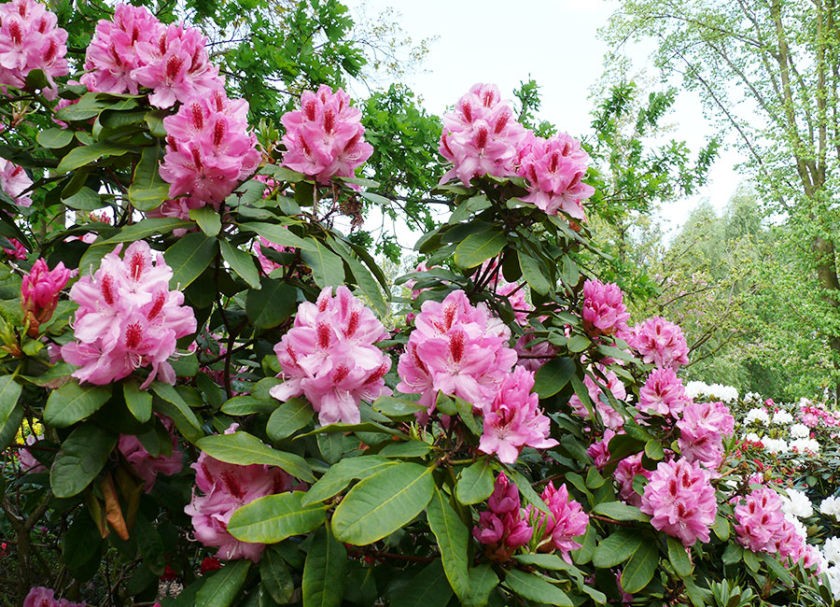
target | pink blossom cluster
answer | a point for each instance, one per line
(625, 473)
(208, 151)
(330, 357)
(30, 39)
(16, 250)
(514, 420)
(609, 416)
(599, 450)
(702, 429)
(14, 181)
(481, 137)
(504, 526)
(761, 526)
(135, 49)
(39, 596)
(127, 318)
(325, 137)
(604, 312)
(815, 416)
(659, 342)
(663, 394)
(147, 466)
(555, 168)
(681, 501)
(532, 353)
(560, 528)
(39, 292)
(225, 488)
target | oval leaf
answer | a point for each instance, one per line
(479, 247)
(72, 403)
(245, 449)
(82, 455)
(475, 484)
(274, 518)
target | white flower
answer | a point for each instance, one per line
(753, 437)
(752, 397)
(800, 431)
(833, 574)
(796, 503)
(775, 445)
(757, 415)
(831, 507)
(693, 389)
(805, 445)
(781, 418)
(797, 525)
(831, 550)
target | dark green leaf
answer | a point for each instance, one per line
(173, 406)
(288, 418)
(207, 219)
(639, 570)
(223, 586)
(279, 235)
(452, 538)
(272, 304)
(535, 588)
(80, 459)
(240, 262)
(72, 403)
(479, 247)
(619, 511)
(54, 138)
(679, 558)
(276, 577)
(139, 402)
(617, 548)
(327, 267)
(189, 257)
(323, 572)
(148, 190)
(84, 200)
(533, 272)
(428, 588)
(553, 376)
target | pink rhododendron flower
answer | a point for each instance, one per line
(17, 250)
(39, 291)
(659, 342)
(111, 57)
(330, 357)
(554, 169)
(566, 521)
(702, 429)
(127, 318)
(625, 472)
(759, 520)
(147, 466)
(609, 416)
(39, 596)
(504, 526)
(224, 488)
(681, 501)
(269, 265)
(663, 394)
(604, 312)
(325, 137)
(30, 39)
(14, 181)
(175, 65)
(458, 349)
(599, 450)
(514, 420)
(208, 149)
(481, 137)
(533, 354)
(28, 462)
(515, 295)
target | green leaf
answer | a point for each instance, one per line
(553, 376)
(223, 586)
(341, 474)
(272, 304)
(275, 576)
(240, 262)
(532, 271)
(482, 582)
(428, 588)
(139, 402)
(721, 528)
(54, 138)
(9, 427)
(323, 572)
(81, 457)
(278, 234)
(189, 257)
(72, 403)
(578, 343)
(9, 394)
(475, 483)
(396, 407)
(616, 548)
(363, 277)
(380, 504)
(653, 449)
(406, 449)
(248, 405)
(535, 588)
(639, 570)
(173, 406)
(619, 511)
(273, 518)
(479, 247)
(146, 228)
(452, 538)
(88, 154)
(245, 449)
(327, 267)
(207, 219)
(678, 556)
(84, 200)
(148, 190)
(288, 418)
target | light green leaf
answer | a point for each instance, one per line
(80, 459)
(616, 548)
(482, 582)
(396, 407)
(278, 234)
(84, 200)
(240, 262)
(532, 271)
(207, 219)
(54, 138)
(380, 504)
(475, 483)
(88, 154)
(406, 449)
(144, 229)
(327, 267)
(245, 449)
(189, 257)
(535, 588)
(223, 586)
(679, 558)
(148, 190)
(452, 538)
(72, 403)
(479, 247)
(323, 571)
(139, 402)
(248, 405)
(619, 511)
(288, 418)
(578, 343)
(341, 474)
(639, 570)
(273, 518)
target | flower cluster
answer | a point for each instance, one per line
(208, 152)
(702, 429)
(147, 466)
(135, 49)
(330, 356)
(324, 139)
(458, 349)
(39, 291)
(560, 528)
(225, 488)
(45, 597)
(681, 501)
(481, 137)
(659, 342)
(663, 394)
(697, 389)
(504, 526)
(514, 420)
(14, 182)
(625, 473)
(127, 318)
(554, 169)
(30, 39)
(604, 312)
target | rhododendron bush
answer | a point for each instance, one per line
(209, 396)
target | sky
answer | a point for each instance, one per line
(553, 41)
